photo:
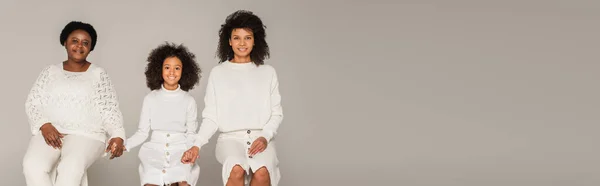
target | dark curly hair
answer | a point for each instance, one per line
(190, 74)
(246, 20)
(77, 25)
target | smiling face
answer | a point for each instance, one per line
(171, 72)
(78, 45)
(241, 41)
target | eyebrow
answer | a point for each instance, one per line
(79, 39)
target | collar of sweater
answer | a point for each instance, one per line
(175, 92)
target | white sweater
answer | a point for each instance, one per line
(167, 111)
(241, 96)
(82, 103)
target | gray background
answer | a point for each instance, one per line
(416, 93)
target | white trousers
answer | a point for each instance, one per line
(71, 162)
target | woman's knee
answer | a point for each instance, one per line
(73, 166)
(237, 172)
(35, 164)
(28, 164)
(261, 175)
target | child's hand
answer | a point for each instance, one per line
(114, 148)
(190, 156)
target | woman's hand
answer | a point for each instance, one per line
(51, 135)
(116, 147)
(259, 145)
(190, 156)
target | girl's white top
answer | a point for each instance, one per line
(173, 111)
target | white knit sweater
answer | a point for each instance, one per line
(239, 97)
(81, 103)
(173, 111)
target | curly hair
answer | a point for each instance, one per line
(245, 20)
(77, 25)
(190, 74)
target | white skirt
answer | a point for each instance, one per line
(161, 160)
(232, 149)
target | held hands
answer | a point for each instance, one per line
(259, 145)
(51, 135)
(190, 156)
(116, 147)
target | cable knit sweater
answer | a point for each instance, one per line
(81, 103)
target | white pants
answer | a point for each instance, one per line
(76, 156)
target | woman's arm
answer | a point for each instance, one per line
(209, 124)
(36, 99)
(270, 128)
(106, 99)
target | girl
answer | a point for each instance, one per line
(242, 101)
(170, 112)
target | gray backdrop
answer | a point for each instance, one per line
(416, 93)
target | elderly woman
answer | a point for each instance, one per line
(71, 108)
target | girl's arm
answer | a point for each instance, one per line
(191, 123)
(143, 127)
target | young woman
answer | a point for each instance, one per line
(242, 101)
(170, 112)
(70, 108)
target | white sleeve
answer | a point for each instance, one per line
(106, 99)
(270, 128)
(34, 105)
(191, 122)
(143, 127)
(209, 124)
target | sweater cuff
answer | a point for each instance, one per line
(199, 142)
(268, 135)
(190, 145)
(127, 147)
(36, 128)
(118, 134)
